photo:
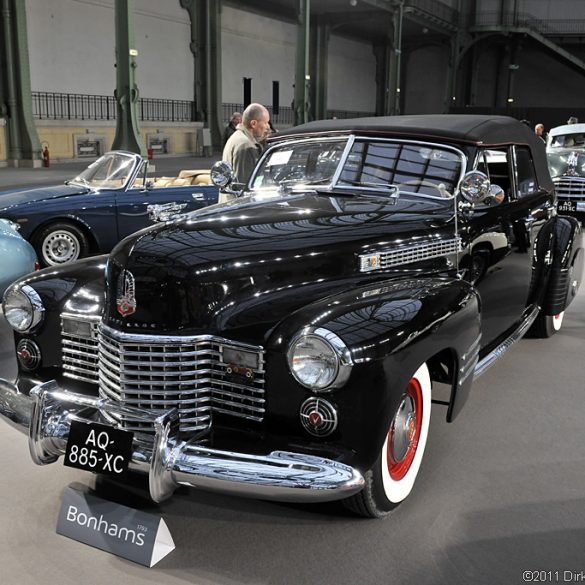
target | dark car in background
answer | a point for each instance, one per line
(566, 160)
(288, 344)
(91, 213)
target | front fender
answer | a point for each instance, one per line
(390, 328)
(78, 287)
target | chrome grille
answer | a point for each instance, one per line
(79, 347)
(188, 373)
(571, 187)
(409, 254)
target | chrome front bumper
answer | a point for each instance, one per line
(284, 476)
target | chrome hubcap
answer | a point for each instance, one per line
(403, 429)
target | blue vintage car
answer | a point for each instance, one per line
(18, 256)
(111, 199)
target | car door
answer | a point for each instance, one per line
(132, 204)
(500, 237)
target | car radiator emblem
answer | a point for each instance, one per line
(126, 297)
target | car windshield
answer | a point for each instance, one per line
(110, 171)
(568, 140)
(420, 168)
(299, 165)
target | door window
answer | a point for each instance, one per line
(525, 173)
(495, 163)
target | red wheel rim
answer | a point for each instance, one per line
(404, 433)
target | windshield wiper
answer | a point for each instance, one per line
(370, 185)
(364, 189)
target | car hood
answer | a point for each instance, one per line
(222, 269)
(10, 199)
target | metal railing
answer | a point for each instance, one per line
(75, 106)
(561, 27)
(284, 117)
(435, 9)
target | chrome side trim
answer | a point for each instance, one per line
(469, 361)
(169, 461)
(409, 254)
(497, 352)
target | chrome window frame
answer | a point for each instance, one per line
(137, 158)
(351, 139)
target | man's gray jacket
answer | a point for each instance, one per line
(242, 151)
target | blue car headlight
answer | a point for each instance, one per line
(319, 359)
(23, 307)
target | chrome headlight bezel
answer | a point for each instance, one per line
(338, 353)
(19, 299)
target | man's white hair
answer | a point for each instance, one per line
(253, 112)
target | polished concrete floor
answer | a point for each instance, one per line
(501, 491)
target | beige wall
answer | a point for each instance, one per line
(61, 137)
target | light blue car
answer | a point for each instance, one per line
(17, 256)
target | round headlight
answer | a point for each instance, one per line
(23, 308)
(319, 360)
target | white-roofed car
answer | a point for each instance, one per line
(565, 149)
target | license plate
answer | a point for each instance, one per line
(566, 206)
(98, 448)
(580, 205)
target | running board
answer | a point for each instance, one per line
(489, 360)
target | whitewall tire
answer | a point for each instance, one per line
(394, 473)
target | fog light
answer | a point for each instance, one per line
(28, 354)
(318, 417)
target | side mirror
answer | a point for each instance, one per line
(496, 195)
(474, 187)
(222, 174)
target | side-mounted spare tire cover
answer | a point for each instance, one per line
(567, 266)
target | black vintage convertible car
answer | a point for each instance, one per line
(286, 345)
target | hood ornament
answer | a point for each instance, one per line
(126, 296)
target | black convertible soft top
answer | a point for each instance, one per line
(477, 130)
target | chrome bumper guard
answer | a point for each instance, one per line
(284, 476)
